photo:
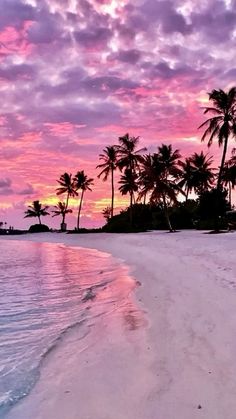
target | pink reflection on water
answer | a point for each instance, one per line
(108, 281)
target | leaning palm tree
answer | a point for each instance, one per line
(129, 185)
(66, 187)
(82, 182)
(60, 209)
(36, 210)
(223, 124)
(109, 158)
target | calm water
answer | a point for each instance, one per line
(44, 290)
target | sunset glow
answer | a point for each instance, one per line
(77, 74)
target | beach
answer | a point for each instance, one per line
(176, 362)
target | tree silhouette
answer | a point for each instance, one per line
(60, 209)
(36, 210)
(203, 175)
(82, 182)
(109, 157)
(187, 176)
(223, 124)
(161, 179)
(66, 187)
(106, 212)
(128, 155)
(229, 176)
(129, 185)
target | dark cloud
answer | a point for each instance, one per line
(15, 13)
(29, 190)
(93, 38)
(164, 14)
(5, 182)
(46, 29)
(216, 23)
(17, 71)
(5, 187)
(130, 56)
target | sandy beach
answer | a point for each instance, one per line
(178, 362)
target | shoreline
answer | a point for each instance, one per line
(183, 366)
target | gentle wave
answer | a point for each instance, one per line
(43, 294)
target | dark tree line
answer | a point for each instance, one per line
(158, 178)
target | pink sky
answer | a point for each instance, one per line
(77, 74)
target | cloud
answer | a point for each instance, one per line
(76, 75)
(15, 13)
(17, 71)
(93, 38)
(5, 186)
(5, 182)
(29, 190)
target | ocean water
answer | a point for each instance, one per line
(46, 289)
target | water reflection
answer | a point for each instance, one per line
(42, 288)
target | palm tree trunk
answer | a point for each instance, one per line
(67, 201)
(39, 219)
(112, 192)
(79, 211)
(230, 195)
(222, 163)
(187, 193)
(144, 199)
(166, 212)
(131, 209)
(219, 184)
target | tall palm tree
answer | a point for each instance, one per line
(129, 185)
(161, 179)
(203, 176)
(223, 124)
(144, 176)
(60, 209)
(109, 158)
(36, 210)
(66, 187)
(82, 182)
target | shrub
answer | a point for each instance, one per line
(38, 228)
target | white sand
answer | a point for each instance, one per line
(183, 358)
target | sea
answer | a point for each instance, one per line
(45, 290)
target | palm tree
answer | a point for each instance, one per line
(144, 176)
(128, 155)
(203, 176)
(187, 176)
(60, 209)
(129, 184)
(81, 181)
(36, 210)
(229, 176)
(106, 212)
(66, 187)
(161, 179)
(109, 157)
(223, 124)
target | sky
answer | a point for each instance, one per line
(77, 74)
